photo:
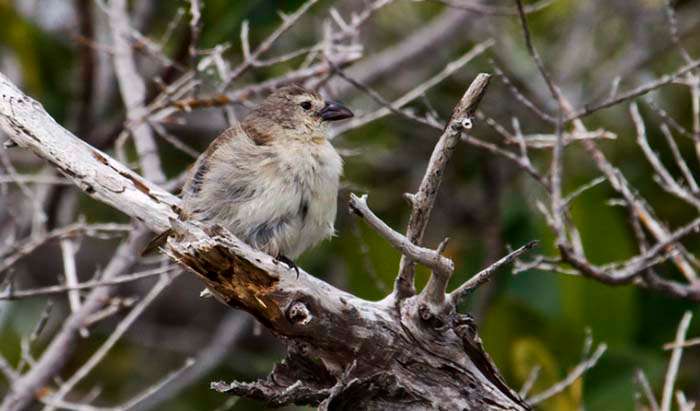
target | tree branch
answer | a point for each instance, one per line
(484, 275)
(424, 199)
(429, 258)
(133, 92)
(368, 352)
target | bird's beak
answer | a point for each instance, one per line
(333, 111)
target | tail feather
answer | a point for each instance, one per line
(157, 242)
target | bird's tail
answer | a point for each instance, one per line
(157, 242)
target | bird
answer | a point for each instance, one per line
(272, 179)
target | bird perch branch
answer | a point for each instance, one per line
(367, 359)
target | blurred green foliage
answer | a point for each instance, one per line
(534, 318)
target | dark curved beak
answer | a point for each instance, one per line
(333, 111)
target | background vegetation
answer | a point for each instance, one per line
(530, 319)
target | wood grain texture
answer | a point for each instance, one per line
(343, 352)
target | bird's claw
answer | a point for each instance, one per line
(289, 262)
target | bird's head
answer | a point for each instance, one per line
(293, 112)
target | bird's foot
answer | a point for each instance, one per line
(289, 262)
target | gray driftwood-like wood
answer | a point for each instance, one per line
(406, 352)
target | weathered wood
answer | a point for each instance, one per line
(344, 352)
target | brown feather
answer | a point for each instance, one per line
(157, 242)
(259, 137)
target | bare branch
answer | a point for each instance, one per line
(290, 305)
(521, 97)
(682, 165)
(133, 92)
(150, 391)
(59, 289)
(633, 93)
(674, 362)
(105, 179)
(25, 248)
(643, 383)
(574, 375)
(530, 381)
(667, 182)
(683, 403)
(58, 351)
(246, 93)
(424, 198)
(379, 99)
(195, 28)
(229, 332)
(419, 43)
(673, 29)
(68, 251)
(287, 23)
(553, 89)
(417, 91)
(484, 275)
(429, 258)
(33, 179)
(688, 343)
(119, 330)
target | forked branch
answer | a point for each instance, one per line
(371, 356)
(424, 199)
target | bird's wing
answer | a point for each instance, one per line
(222, 149)
(228, 174)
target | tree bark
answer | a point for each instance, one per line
(407, 353)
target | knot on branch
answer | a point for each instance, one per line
(464, 111)
(465, 326)
(430, 319)
(298, 313)
(464, 123)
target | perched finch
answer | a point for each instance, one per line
(272, 180)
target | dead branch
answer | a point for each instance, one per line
(318, 320)
(423, 200)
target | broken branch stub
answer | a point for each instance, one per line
(344, 352)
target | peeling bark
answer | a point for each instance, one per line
(344, 352)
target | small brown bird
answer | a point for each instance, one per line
(272, 180)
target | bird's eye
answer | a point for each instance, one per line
(306, 105)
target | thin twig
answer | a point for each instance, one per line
(633, 93)
(287, 23)
(687, 343)
(530, 381)
(94, 230)
(666, 180)
(417, 91)
(148, 392)
(484, 275)
(424, 198)
(430, 258)
(133, 92)
(643, 383)
(68, 251)
(119, 330)
(195, 29)
(680, 161)
(553, 89)
(574, 375)
(674, 362)
(59, 289)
